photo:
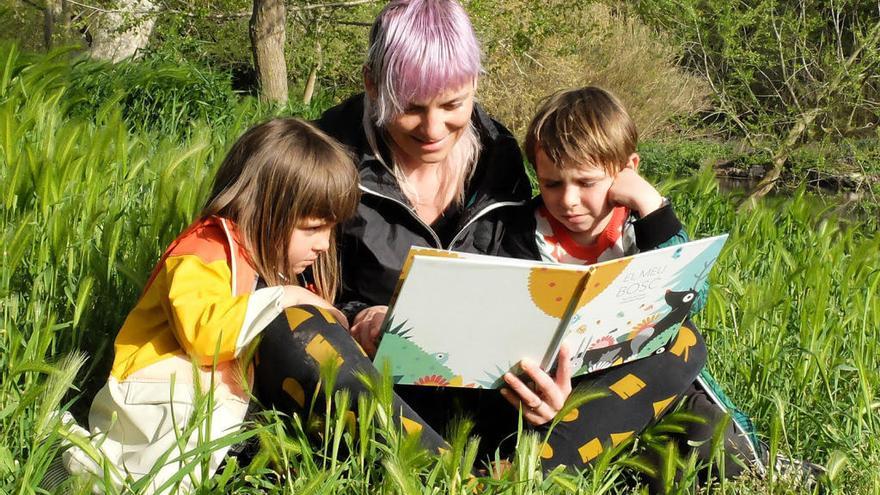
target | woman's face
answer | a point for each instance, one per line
(427, 130)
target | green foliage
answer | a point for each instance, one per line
(156, 93)
(665, 159)
(771, 63)
(216, 35)
(87, 203)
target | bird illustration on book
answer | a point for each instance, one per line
(411, 361)
(643, 334)
(681, 303)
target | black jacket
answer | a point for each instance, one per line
(373, 245)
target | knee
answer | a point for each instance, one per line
(303, 340)
(300, 324)
(690, 347)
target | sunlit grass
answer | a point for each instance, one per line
(88, 203)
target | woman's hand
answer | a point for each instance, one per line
(366, 328)
(295, 295)
(544, 402)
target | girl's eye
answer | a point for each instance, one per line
(452, 106)
(551, 185)
(315, 228)
(587, 183)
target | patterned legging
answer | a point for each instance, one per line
(303, 338)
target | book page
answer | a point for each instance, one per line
(632, 306)
(465, 322)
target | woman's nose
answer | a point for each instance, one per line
(433, 125)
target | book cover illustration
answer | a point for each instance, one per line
(464, 320)
(642, 309)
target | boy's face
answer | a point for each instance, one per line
(576, 196)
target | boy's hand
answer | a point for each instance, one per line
(631, 190)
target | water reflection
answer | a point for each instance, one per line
(859, 205)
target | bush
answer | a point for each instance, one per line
(155, 93)
(217, 37)
(534, 49)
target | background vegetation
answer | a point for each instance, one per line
(101, 165)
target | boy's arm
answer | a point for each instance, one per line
(660, 228)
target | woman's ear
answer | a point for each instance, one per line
(633, 162)
(369, 86)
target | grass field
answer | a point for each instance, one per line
(89, 202)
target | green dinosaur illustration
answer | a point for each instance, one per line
(407, 360)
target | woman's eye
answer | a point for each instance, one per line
(452, 106)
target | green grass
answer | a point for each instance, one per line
(89, 200)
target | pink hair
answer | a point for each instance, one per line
(418, 49)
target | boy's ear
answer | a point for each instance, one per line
(633, 162)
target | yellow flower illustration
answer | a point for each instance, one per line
(551, 288)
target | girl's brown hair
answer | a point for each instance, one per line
(277, 175)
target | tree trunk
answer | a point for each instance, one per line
(768, 182)
(122, 34)
(268, 36)
(51, 13)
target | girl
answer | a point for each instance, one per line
(271, 215)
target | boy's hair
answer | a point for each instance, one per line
(586, 126)
(277, 175)
(418, 50)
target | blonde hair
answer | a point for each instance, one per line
(277, 175)
(586, 126)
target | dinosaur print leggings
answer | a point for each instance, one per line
(301, 340)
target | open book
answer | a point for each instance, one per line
(459, 319)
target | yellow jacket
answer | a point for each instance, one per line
(200, 306)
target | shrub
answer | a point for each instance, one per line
(534, 49)
(156, 93)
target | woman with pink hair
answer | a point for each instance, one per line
(435, 170)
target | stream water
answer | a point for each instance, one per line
(849, 205)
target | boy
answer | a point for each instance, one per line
(594, 206)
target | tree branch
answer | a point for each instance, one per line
(219, 16)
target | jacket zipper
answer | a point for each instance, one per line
(437, 243)
(481, 213)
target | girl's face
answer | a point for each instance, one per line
(427, 130)
(309, 239)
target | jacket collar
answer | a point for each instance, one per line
(493, 179)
